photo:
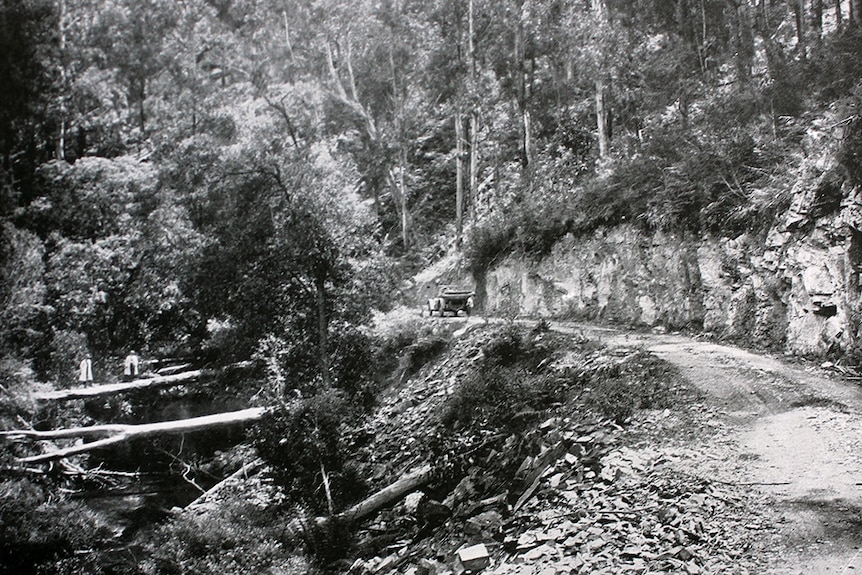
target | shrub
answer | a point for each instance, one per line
(235, 538)
(306, 444)
(500, 399)
(420, 353)
(506, 347)
(17, 381)
(641, 381)
(396, 330)
(37, 532)
(850, 152)
(510, 346)
(487, 243)
(406, 342)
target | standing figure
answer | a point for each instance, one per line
(85, 369)
(130, 366)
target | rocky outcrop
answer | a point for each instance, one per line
(794, 288)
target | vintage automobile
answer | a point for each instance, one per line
(452, 300)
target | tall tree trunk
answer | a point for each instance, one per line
(856, 12)
(142, 94)
(398, 98)
(61, 132)
(474, 162)
(817, 19)
(799, 16)
(322, 328)
(743, 38)
(601, 118)
(402, 192)
(598, 7)
(520, 73)
(471, 61)
(474, 115)
(459, 176)
(701, 50)
(838, 15)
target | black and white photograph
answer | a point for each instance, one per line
(430, 287)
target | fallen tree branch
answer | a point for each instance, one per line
(118, 433)
(249, 468)
(388, 495)
(368, 506)
(114, 388)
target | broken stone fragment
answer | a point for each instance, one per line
(464, 491)
(431, 513)
(527, 540)
(431, 567)
(412, 501)
(474, 558)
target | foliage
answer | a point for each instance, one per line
(292, 363)
(487, 243)
(509, 387)
(237, 537)
(24, 311)
(500, 398)
(641, 381)
(420, 353)
(850, 152)
(306, 443)
(404, 342)
(39, 532)
(399, 328)
(513, 386)
(16, 379)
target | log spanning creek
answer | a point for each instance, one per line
(156, 443)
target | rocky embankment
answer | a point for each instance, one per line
(787, 291)
(791, 286)
(568, 492)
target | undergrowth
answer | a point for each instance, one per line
(528, 377)
(516, 382)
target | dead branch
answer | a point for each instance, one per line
(249, 468)
(388, 495)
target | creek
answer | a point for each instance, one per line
(148, 477)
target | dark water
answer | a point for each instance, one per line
(160, 462)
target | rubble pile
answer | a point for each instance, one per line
(590, 505)
(570, 493)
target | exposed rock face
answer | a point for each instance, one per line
(795, 289)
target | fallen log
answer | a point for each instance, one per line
(114, 388)
(298, 528)
(118, 433)
(388, 495)
(249, 468)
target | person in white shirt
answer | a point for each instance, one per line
(130, 366)
(85, 369)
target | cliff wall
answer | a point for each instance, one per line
(794, 288)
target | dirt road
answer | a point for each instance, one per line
(791, 432)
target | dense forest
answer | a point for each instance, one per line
(234, 180)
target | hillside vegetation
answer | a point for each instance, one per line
(217, 175)
(248, 183)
